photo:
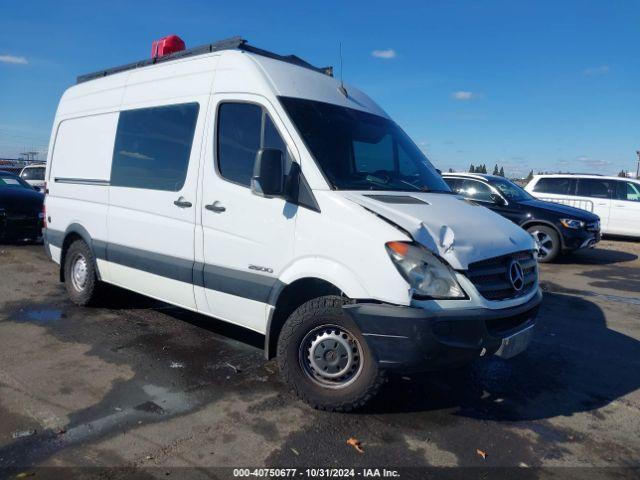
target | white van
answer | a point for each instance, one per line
(615, 200)
(257, 189)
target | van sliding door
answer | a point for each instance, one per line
(152, 201)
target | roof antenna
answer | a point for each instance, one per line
(341, 88)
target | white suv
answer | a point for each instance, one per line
(615, 200)
(34, 175)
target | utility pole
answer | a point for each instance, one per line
(638, 167)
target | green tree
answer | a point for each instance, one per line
(472, 169)
(501, 172)
(530, 176)
(622, 173)
(495, 170)
(450, 170)
(484, 168)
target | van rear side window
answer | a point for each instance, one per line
(153, 146)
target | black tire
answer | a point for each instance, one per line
(315, 320)
(549, 242)
(81, 292)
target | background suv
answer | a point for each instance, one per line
(34, 175)
(556, 227)
(615, 200)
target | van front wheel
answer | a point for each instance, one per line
(80, 275)
(324, 358)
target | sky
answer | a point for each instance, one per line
(529, 85)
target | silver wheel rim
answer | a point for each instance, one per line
(545, 243)
(331, 356)
(79, 272)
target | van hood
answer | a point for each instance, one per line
(460, 231)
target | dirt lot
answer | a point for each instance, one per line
(142, 384)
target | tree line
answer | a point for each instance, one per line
(483, 169)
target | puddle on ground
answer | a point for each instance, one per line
(150, 407)
(40, 316)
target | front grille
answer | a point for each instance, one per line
(491, 276)
(593, 226)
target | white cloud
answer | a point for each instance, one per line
(596, 71)
(386, 54)
(463, 95)
(13, 59)
(593, 162)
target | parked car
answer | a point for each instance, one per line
(557, 228)
(21, 214)
(615, 200)
(277, 199)
(34, 175)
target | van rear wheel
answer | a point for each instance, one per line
(81, 279)
(323, 357)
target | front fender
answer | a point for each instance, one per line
(328, 270)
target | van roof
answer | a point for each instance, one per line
(233, 43)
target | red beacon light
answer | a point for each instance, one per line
(166, 45)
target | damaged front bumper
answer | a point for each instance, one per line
(411, 339)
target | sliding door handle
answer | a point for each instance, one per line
(216, 207)
(182, 203)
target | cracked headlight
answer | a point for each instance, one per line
(427, 275)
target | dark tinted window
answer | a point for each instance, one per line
(454, 183)
(373, 156)
(35, 173)
(628, 191)
(243, 129)
(510, 190)
(595, 187)
(559, 186)
(357, 150)
(153, 146)
(8, 181)
(475, 190)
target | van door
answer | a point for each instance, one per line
(624, 218)
(599, 191)
(247, 240)
(152, 207)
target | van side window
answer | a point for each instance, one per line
(558, 186)
(153, 146)
(243, 129)
(595, 187)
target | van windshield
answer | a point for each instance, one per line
(361, 151)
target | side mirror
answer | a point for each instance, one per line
(497, 199)
(37, 189)
(268, 173)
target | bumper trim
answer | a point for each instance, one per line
(413, 339)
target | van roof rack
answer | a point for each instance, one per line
(233, 43)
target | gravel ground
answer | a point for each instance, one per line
(156, 391)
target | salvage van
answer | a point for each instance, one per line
(257, 189)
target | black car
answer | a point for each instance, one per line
(556, 227)
(21, 215)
